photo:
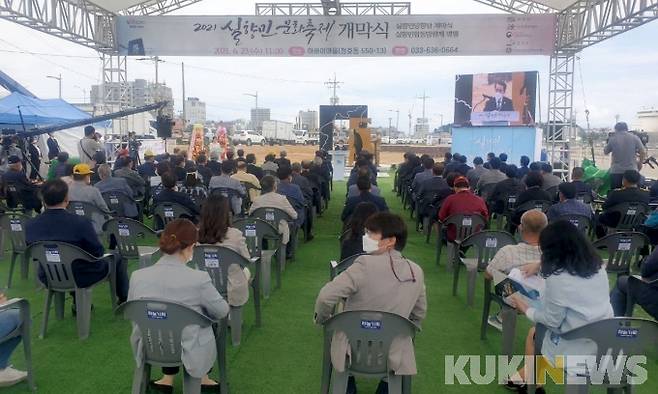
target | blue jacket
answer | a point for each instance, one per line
(352, 202)
(296, 198)
(569, 207)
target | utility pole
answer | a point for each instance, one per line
(183, 80)
(58, 78)
(333, 85)
(424, 97)
(409, 122)
(389, 125)
(254, 95)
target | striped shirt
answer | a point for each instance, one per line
(513, 256)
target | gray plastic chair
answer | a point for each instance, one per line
(370, 335)
(631, 215)
(23, 331)
(117, 202)
(165, 212)
(508, 316)
(613, 337)
(624, 250)
(336, 268)
(56, 259)
(216, 260)
(14, 224)
(508, 210)
(273, 216)
(161, 324)
(465, 224)
(88, 210)
(582, 222)
(128, 233)
(485, 245)
(542, 205)
(255, 231)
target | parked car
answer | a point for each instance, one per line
(248, 137)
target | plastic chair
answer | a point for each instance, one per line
(615, 337)
(582, 222)
(508, 317)
(584, 197)
(216, 261)
(88, 210)
(56, 260)
(635, 281)
(117, 202)
(273, 216)
(466, 224)
(553, 192)
(370, 335)
(508, 211)
(14, 224)
(542, 205)
(161, 325)
(485, 244)
(231, 194)
(631, 215)
(256, 231)
(624, 249)
(166, 212)
(23, 331)
(128, 233)
(336, 268)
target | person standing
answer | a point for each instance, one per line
(624, 147)
(88, 146)
(53, 147)
(35, 158)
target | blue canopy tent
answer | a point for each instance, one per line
(36, 112)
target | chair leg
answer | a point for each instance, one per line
(14, 255)
(326, 366)
(406, 384)
(509, 330)
(236, 324)
(453, 250)
(470, 289)
(60, 302)
(394, 383)
(439, 245)
(281, 259)
(455, 278)
(27, 345)
(46, 313)
(339, 382)
(141, 377)
(256, 289)
(83, 316)
(266, 272)
(191, 385)
(485, 315)
(221, 357)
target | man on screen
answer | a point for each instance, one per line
(499, 102)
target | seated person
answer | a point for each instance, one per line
(292, 192)
(474, 174)
(568, 204)
(10, 319)
(57, 224)
(81, 190)
(428, 164)
(576, 294)
(464, 201)
(147, 169)
(644, 294)
(577, 175)
(246, 178)
(382, 281)
(224, 181)
(353, 190)
(433, 190)
(270, 167)
(252, 168)
(171, 280)
(170, 193)
(62, 162)
(204, 171)
(352, 242)
(215, 229)
(550, 180)
(489, 179)
(533, 192)
(511, 186)
(361, 166)
(365, 195)
(630, 192)
(269, 198)
(27, 192)
(125, 170)
(194, 187)
(108, 183)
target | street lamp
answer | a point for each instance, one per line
(255, 116)
(254, 95)
(84, 93)
(58, 78)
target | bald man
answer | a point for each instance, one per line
(526, 252)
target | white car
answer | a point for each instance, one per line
(248, 137)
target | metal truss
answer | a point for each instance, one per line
(588, 22)
(560, 127)
(518, 6)
(354, 9)
(80, 21)
(157, 7)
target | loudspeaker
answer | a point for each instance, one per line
(164, 126)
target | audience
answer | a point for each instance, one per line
(292, 192)
(644, 292)
(630, 192)
(533, 192)
(476, 172)
(214, 164)
(62, 163)
(135, 181)
(108, 183)
(229, 186)
(463, 201)
(171, 280)
(550, 180)
(250, 181)
(382, 281)
(352, 242)
(203, 169)
(427, 173)
(568, 204)
(576, 294)
(170, 194)
(269, 198)
(365, 195)
(511, 186)
(194, 187)
(252, 168)
(215, 229)
(81, 190)
(270, 167)
(489, 179)
(27, 193)
(147, 169)
(577, 175)
(523, 170)
(282, 161)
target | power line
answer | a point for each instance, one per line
(333, 85)
(48, 54)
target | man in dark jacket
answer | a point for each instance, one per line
(510, 186)
(170, 194)
(19, 189)
(252, 168)
(363, 184)
(643, 291)
(57, 224)
(630, 192)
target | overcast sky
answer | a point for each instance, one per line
(618, 76)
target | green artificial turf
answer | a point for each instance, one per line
(284, 355)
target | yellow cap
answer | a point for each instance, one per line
(149, 153)
(82, 169)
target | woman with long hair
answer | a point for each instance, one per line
(352, 242)
(215, 229)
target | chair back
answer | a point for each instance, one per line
(117, 202)
(486, 190)
(623, 250)
(510, 203)
(128, 234)
(466, 224)
(631, 214)
(584, 197)
(13, 196)
(246, 201)
(337, 269)
(618, 336)
(56, 260)
(216, 260)
(541, 205)
(486, 244)
(582, 222)
(271, 215)
(86, 209)
(14, 223)
(370, 335)
(166, 212)
(255, 230)
(553, 191)
(161, 325)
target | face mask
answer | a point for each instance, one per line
(370, 245)
(498, 96)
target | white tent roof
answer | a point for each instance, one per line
(556, 4)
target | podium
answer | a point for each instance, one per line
(339, 161)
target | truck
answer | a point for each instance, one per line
(303, 137)
(279, 133)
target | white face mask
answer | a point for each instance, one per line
(370, 245)
(498, 96)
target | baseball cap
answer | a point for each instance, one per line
(461, 181)
(14, 159)
(149, 153)
(82, 169)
